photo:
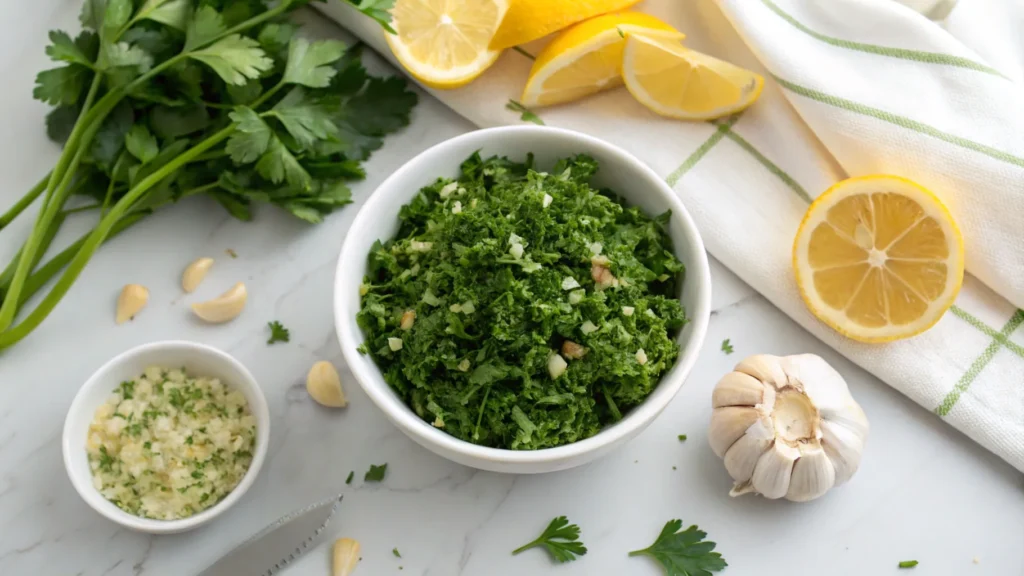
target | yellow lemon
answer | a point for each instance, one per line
(442, 43)
(878, 258)
(677, 82)
(587, 58)
(528, 20)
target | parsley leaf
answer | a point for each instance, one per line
(561, 539)
(527, 115)
(305, 121)
(61, 86)
(309, 63)
(141, 143)
(124, 54)
(236, 59)
(251, 138)
(726, 346)
(908, 564)
(375, 473)
(173, 13)
(63, 49)
(379, 10)
(684, 552)
(206, 24)
(278, 333)
(278, 164)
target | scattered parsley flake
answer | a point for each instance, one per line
(396, 553)
(682, 437)
(683, 552)
(526, 115)
(375, 473)
(908, 564)
(726, 346)
(278, 333)
(560, 539)
(231, 253)
(350, 476)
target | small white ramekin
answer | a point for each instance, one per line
(198, 360)
(622, 172)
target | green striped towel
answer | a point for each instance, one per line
(853, 87)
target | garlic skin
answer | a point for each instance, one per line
(786, 427)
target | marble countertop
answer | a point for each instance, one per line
(924, 491)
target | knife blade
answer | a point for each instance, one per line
(272, 548)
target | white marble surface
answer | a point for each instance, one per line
(924, 492)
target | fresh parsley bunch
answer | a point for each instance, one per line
(158, 100)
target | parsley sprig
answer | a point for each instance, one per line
(684, 552)
(561, 539)
(278, 333)
(161, 100)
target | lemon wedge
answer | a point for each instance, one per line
(587, 58)
(444, 44)
(677, 82)
(878, 258)
(529, 20)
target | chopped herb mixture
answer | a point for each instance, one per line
(520, 309)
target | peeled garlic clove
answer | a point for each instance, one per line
(131, 301)
(346, 556)
(737, 389)
(813, 474)
(223, 308)
(324, 385)
(728, 424)
(773, 471)
(194, 273)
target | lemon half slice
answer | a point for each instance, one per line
(878, 258)
(444, 44)
(587, 58)
(677, 82)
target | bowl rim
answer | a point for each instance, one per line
(83, 482)
(697, 272)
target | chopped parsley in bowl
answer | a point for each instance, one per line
(522, 310)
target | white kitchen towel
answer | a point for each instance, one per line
(853, 87)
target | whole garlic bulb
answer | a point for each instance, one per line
(786, 427)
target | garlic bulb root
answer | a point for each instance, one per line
(786, 427)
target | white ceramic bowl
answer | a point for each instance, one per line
(198, 360)
(620, 171)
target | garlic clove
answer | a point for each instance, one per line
(844, 447)
(743, 455)
(737, 389)
(773, 471)
(764, 367)
(194, 273)
(813, 474)
(346, 556)
(223, 308)
(728, 424)
(324, 385)
(131, 301)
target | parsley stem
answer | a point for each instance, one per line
(25, 201)
(96, 237)
(8, 273)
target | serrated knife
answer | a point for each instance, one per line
(274, 547)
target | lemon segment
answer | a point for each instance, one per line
(878, 258)
(677, 82)
(587, 58)
(528, 20)
(442, 43)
